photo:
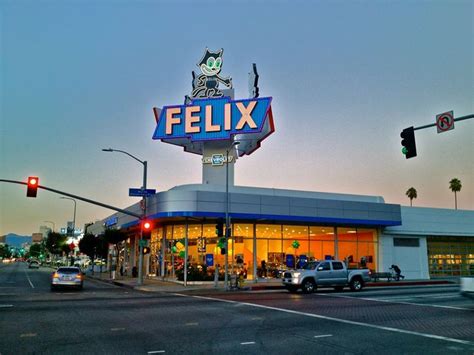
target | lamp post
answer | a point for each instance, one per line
(227, 222)
(140, 247)
(74, 219)
(73, 223)
(54, 225)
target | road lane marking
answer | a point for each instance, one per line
(32, 286)
(5, 305)
(116, 329)
(418, 297)
(399, 302)
(156, 352)
(345, 321)
(28, 335)
(248, 343)
(191, 323)
(323, 336)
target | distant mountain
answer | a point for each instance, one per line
(14, 240)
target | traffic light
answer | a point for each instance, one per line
(146, 230)
(32, 186)
(408, 142)
(146, 250)
(220, 228)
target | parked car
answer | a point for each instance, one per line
(325, 273)
(33, 264)
(67, 276)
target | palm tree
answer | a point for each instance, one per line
(455, 186)
(411, 193)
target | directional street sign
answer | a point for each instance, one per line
(445, 121)
(134, 192)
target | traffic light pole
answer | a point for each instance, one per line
(78, 198)
(434, 124)
(408, 134)
(140, 246)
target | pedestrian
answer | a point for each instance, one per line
(398, 272)
(134, 271)
(264, 268)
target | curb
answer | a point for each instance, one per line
(262, 287)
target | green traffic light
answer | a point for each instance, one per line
(404, 150)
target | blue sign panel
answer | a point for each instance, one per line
(209, 259)
(140, 192)
(290, 261)
(212, 118)
(111, 221)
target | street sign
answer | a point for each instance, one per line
(142, 242)
(134, 192)
(445, 121)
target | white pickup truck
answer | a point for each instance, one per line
(325, 273)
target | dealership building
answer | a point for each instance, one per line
(363, 230)
(270, 230)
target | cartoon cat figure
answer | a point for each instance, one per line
(206, 84)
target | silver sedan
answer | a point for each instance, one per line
(67, 276)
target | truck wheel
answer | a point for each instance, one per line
(356, 284)
(339, 288)
(292, 289)
(308, 286)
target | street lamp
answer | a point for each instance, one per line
(227, 222)
(54, 225)
(140, 247)
(74, 219)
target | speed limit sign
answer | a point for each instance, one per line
(445, 121)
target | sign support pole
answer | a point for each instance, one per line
(455, 120)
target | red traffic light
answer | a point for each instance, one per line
(146, 229)
(32, 186)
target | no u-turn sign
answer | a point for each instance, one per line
(445, 121)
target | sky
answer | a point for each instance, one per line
(346, 77)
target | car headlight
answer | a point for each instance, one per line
(296, 274)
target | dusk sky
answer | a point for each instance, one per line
(346, 78)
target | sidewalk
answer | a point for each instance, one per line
(156, 284)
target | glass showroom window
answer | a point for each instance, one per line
(269, 249)
(321, 242)
(242, 246)
(295, 246)
(358, 247)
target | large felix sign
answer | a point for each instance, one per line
(210, 119)
(210, 113)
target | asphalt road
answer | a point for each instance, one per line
(104, 318)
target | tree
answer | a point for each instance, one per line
(411, 193)
(102, 247)
(115, 236)
(5, 251)
(87, 245)
(455, 186)
(35, 251)
(55, 242)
